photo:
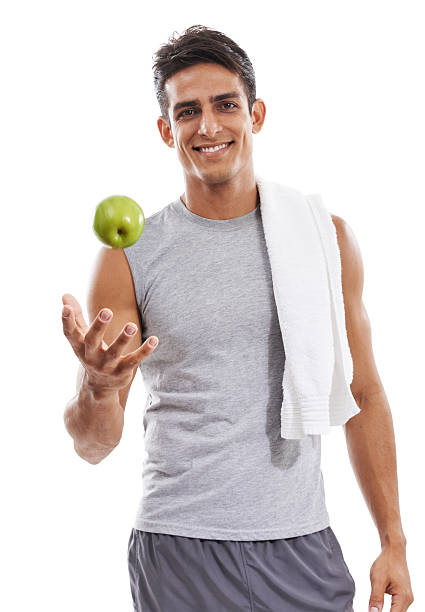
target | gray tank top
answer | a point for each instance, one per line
(215, 465)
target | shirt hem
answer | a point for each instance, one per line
(229, 534)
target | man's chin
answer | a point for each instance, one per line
(217, 176)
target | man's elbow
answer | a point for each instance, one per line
(93, 455)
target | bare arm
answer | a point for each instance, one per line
(369, 434)
(109, 356)
(95, 421)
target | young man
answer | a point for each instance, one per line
(233, 516)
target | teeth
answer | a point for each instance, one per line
(211, 149)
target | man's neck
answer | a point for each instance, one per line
(221, 201)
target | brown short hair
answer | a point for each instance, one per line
(200, 44)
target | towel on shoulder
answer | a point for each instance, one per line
(305, 265)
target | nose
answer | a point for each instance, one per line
(209, 125)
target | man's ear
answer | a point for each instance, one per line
(258, 115)
(165, 131)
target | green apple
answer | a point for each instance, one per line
(118, 221)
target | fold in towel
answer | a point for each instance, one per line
(306, 274)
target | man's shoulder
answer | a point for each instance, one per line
(351, 258)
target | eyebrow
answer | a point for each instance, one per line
(224, 96)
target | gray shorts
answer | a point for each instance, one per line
(170, 573)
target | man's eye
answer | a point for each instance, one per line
(191, 109)
(185, 111)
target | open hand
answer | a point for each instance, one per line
(106, 366)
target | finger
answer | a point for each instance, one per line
(376, 599)
(115, 349)
(400, 602)
(71, 331)
(70, 300)
(94, 337)
(134, 358)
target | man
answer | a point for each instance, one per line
(233, 516)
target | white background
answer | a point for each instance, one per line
(343, 86)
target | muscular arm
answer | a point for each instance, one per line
(95, 418)
(369, 434)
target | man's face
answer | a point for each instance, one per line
(199, 119)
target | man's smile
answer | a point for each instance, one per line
(214, 151)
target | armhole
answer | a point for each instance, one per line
(137, 275)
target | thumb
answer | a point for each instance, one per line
(398, 602)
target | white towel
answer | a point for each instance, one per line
(306, 274)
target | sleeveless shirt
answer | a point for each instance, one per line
(215, 465)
